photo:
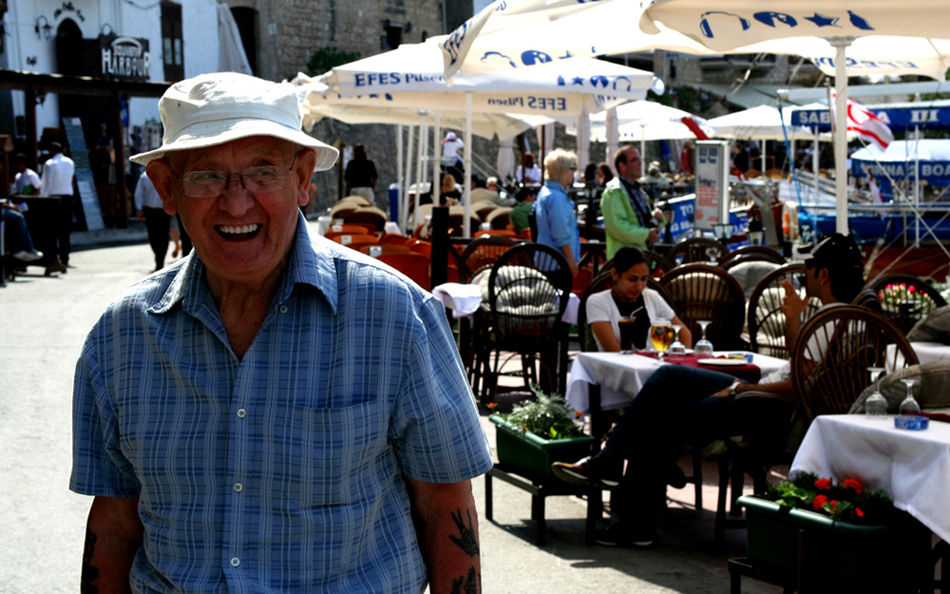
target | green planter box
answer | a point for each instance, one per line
(834, 556)
(531, 455)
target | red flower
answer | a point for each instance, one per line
(854, 485)
(823, 484)
(491, 405)
(858, 512)
(834, 506)
(911, 289)
(819, 502)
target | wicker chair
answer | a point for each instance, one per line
(480, 254)
(703, 292)
(528, 290)
(834, 350)
(906, 314)
(697, 249)
(765, 316)
(751, 252)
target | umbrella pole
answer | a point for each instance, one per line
(467, 190)
(409, 152)
(400, 180)
(841, 133)
(437, 159)
(815, 162)
(420, 161)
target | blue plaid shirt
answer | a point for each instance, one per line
(281, 472)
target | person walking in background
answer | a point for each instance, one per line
(528, 173)
(233, 433)
(360, 175)
(57, 182)
(557, 222)
(149, 209)
(604, 175)
(626, 207)
(26, 182)
(452, 161)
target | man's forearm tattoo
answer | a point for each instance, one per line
(467, 542)
(466, 586)
(89, 573)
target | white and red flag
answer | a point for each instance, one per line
(865, 124)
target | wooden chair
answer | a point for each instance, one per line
(658, 264)
(396, 239)
(420, 247)
(751, 252)
(416, 266)
(348, 238)
(766, 320)
(342, 209)
(697, 249)
(481, 254)
(528, 290)
(360, 200)
(369, 215)
(703, 292)
(502, 232)
(384, 249)
(905, 315)
(457, 222)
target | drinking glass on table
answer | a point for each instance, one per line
(661, 336)
(703, 348)
(677, 348)
(909, 407)
(627, 326)
(876, 404)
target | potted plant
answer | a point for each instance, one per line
(538, 433)
(834, 536)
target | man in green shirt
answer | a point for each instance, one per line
(625, 207)
(519, 214)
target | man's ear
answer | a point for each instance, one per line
(823, 276)
(306, 161)
(160, 173)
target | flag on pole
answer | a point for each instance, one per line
(865, 124)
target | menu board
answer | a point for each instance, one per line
(712, 184)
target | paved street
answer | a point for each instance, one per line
(45, 320)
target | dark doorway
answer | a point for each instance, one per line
(246, 19)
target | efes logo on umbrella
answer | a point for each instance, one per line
(494, 59)
(726, 22)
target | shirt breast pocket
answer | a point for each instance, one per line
(337, 455)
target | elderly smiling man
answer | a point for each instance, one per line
(275, 413)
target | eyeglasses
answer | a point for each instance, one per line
(205, 184)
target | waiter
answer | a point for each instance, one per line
(57, 182)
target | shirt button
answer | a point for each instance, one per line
(238, 487)
(235, 561)
(283, 309)
(241, 413)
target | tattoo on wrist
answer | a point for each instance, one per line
(89, 573)
(467, 542)
(467, 585)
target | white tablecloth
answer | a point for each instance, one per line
(464, 300)
(926, 352)
(620, 377)
(912, 466)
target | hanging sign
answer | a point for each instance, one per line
(124, 58)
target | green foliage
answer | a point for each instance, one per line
(326, 58)
(847, 500)
(548, 416)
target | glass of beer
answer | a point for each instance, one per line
(661, 336)
(627, 326)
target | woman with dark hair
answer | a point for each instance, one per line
(590, 175)
(629, 299)
(528, 173)
(604, 174)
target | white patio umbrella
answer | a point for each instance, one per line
(763, 122)
(743, 23)
(412, 76)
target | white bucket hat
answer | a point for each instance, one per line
(216, 108)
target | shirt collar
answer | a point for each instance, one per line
(551, 182)
(311, 263)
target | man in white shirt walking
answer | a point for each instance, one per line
(148, 208)
(57, 181)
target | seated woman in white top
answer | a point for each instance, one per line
(629, 298)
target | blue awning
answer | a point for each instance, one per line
(929, 114)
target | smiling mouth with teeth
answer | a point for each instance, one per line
(237, 232)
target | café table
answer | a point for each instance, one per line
(926, 352)
(618, 377)
(912, 466)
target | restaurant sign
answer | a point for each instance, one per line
(124, 58)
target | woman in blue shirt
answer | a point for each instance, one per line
(557, 222)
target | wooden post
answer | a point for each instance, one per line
(122, 196)
(29, 111)
(440, 246)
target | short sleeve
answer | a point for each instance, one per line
(663, 309)
(99, 467)
(598, 308)
(435, 427)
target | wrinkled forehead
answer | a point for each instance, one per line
(245, 152)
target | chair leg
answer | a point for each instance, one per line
(738, 482)
(698, 476)
(720, 528)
